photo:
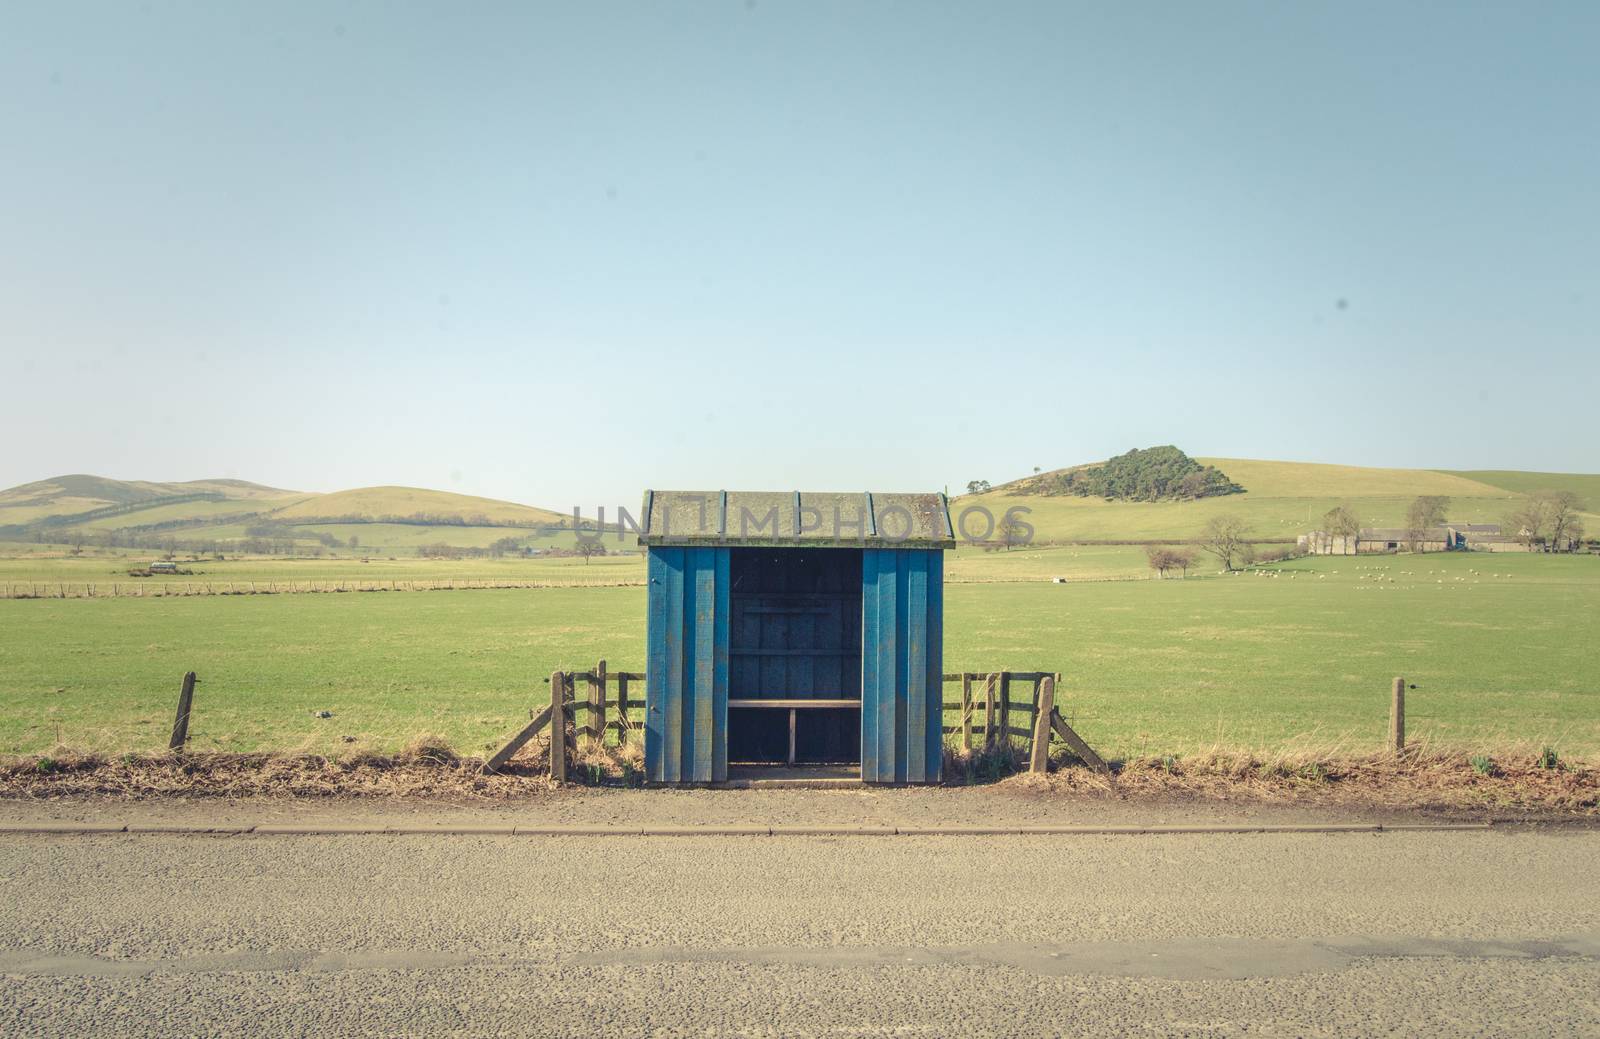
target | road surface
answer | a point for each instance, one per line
(1449, 933)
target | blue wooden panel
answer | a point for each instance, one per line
(672, 682)
(719, 663)
(934, 746)
(699, 730)
(686, 680)
(902, 657)
(885, 706)
(871, 629)
(656, 667)
(916, 656)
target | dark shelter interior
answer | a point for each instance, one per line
(794, 667)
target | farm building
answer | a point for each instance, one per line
(1475, 537)
(1399, 539)
(1494, 541)
(793, 628)
(1322, 543)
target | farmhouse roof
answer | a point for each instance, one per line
(797, 519)
(1401, 534)
(1477, 528)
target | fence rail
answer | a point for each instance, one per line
(604, 713)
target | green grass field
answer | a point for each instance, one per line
(1303, 658)
(1299, 659)
(967, 564)
(106, 570)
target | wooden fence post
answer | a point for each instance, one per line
(597, 702)
(966, 710)
(1005, 707)
(1045, 707)
(180, 724)
(990, 685)
(1397, 717)
(558, 727)
(622, 707)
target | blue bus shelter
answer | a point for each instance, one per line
(794, 627)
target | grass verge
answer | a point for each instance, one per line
(1516, 784)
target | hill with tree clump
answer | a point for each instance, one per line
(1282, 500)
(1143, 474)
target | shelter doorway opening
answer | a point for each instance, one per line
(794, 656)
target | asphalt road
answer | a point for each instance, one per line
(1460, 933)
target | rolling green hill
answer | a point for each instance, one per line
(93, 491)
(1513, 482)
(380, 504)
(1317, 480)
(95, 501)
(1281, 500)
(222, 515)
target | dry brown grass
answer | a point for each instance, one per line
(1422, 779)
(1512, 784)
(427, 766)
(964, 766)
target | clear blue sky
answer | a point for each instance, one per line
(558, 253)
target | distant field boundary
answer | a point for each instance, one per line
(1047, 579)
(185, 589)
(1147, 541)
(158, 589)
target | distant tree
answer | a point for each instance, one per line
(1527, 523)
(1548, 518)
(589, 547)
(1561, 510)
(1013, 531)
(1426, 512)
(355, 541)
(1160, 559)
(1341, 522)
(1228, 538)
(1183, 559)
(1193, 485)
(977, 486)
